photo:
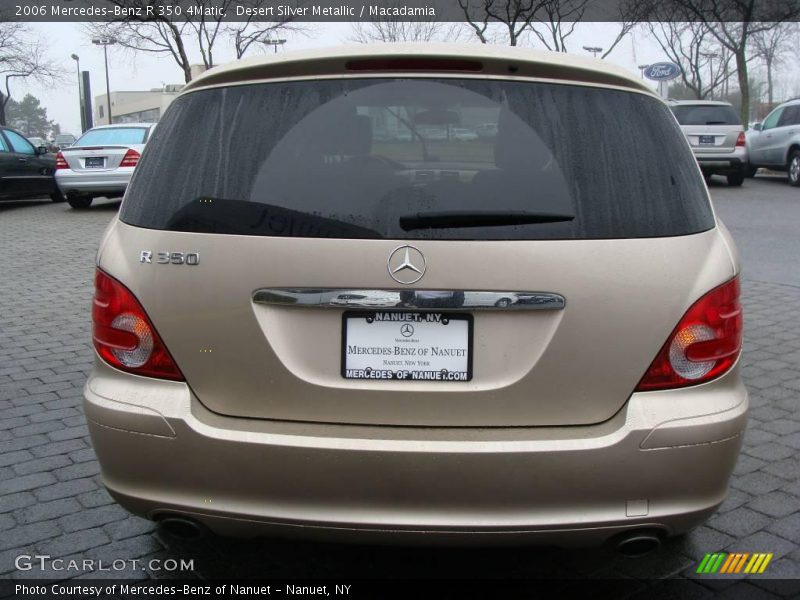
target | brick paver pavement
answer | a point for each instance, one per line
(51, 500)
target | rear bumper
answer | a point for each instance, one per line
(662, 462)
(94, 183)
(729, 162)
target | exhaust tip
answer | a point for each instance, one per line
(638, 544)
(182, 528)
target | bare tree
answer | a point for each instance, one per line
(158, 32)
(206, 30)
(151, 35)
(403, 31)
(514, 16)
(734, 23)
(250, 35)
(22, 56)
(551, 21)
(702, 63)
(629, 14)
(562, 17)
(773, 45)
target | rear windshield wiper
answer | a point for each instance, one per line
(464, 218)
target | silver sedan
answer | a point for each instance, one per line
(101, 162)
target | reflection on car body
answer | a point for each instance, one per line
(464, 135)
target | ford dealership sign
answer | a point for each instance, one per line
(662, 71)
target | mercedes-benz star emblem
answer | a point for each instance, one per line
(407, 330)
(406, 264)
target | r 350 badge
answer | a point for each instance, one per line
(169, 258)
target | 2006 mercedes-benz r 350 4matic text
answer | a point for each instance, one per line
(321, 313)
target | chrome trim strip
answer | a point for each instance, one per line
(423, 299)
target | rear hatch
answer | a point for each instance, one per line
(104, 149)
(285, 246)
(710, 128)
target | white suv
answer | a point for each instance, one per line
(716, 136)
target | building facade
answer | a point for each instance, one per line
(138, 107)
(135, 107)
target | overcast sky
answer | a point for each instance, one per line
(145, 71)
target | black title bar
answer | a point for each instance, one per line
(477, 11)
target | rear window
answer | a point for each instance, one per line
(117, 136)
(706, 114)
(418, 158)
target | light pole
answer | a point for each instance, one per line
(105, 42)
(642, 68)
(593, 49)
(275, 44)
(77, 59)
(710, 56)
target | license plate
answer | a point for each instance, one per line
(707, 139)
(94, 162)
(410, 346)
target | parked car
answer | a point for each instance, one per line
(100, 162)
(716, 136)
(235, 389)
(63, 140)
(486, 130)
(40, 142)
(464, 135)
(361, 298)
(26, 171)
(434, 133)
(37, 142)
(775, 143)
(499, 299)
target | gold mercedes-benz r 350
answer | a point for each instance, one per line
(457, 294)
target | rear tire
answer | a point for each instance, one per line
(80, 202)
(736, 179)
(750, 171)
(794, 169)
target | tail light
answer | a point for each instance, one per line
(741, 141)
(414, 64)
(123, 335)
(61, 162)
(703, 346)
(131, 158)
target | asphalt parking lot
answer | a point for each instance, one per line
(51, 500)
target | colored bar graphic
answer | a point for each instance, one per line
(741, 562)
(758, 563)
(765, 563)
(728, 564)
(718, 563)
(753, 564)
(704, 564)
(724, 563)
